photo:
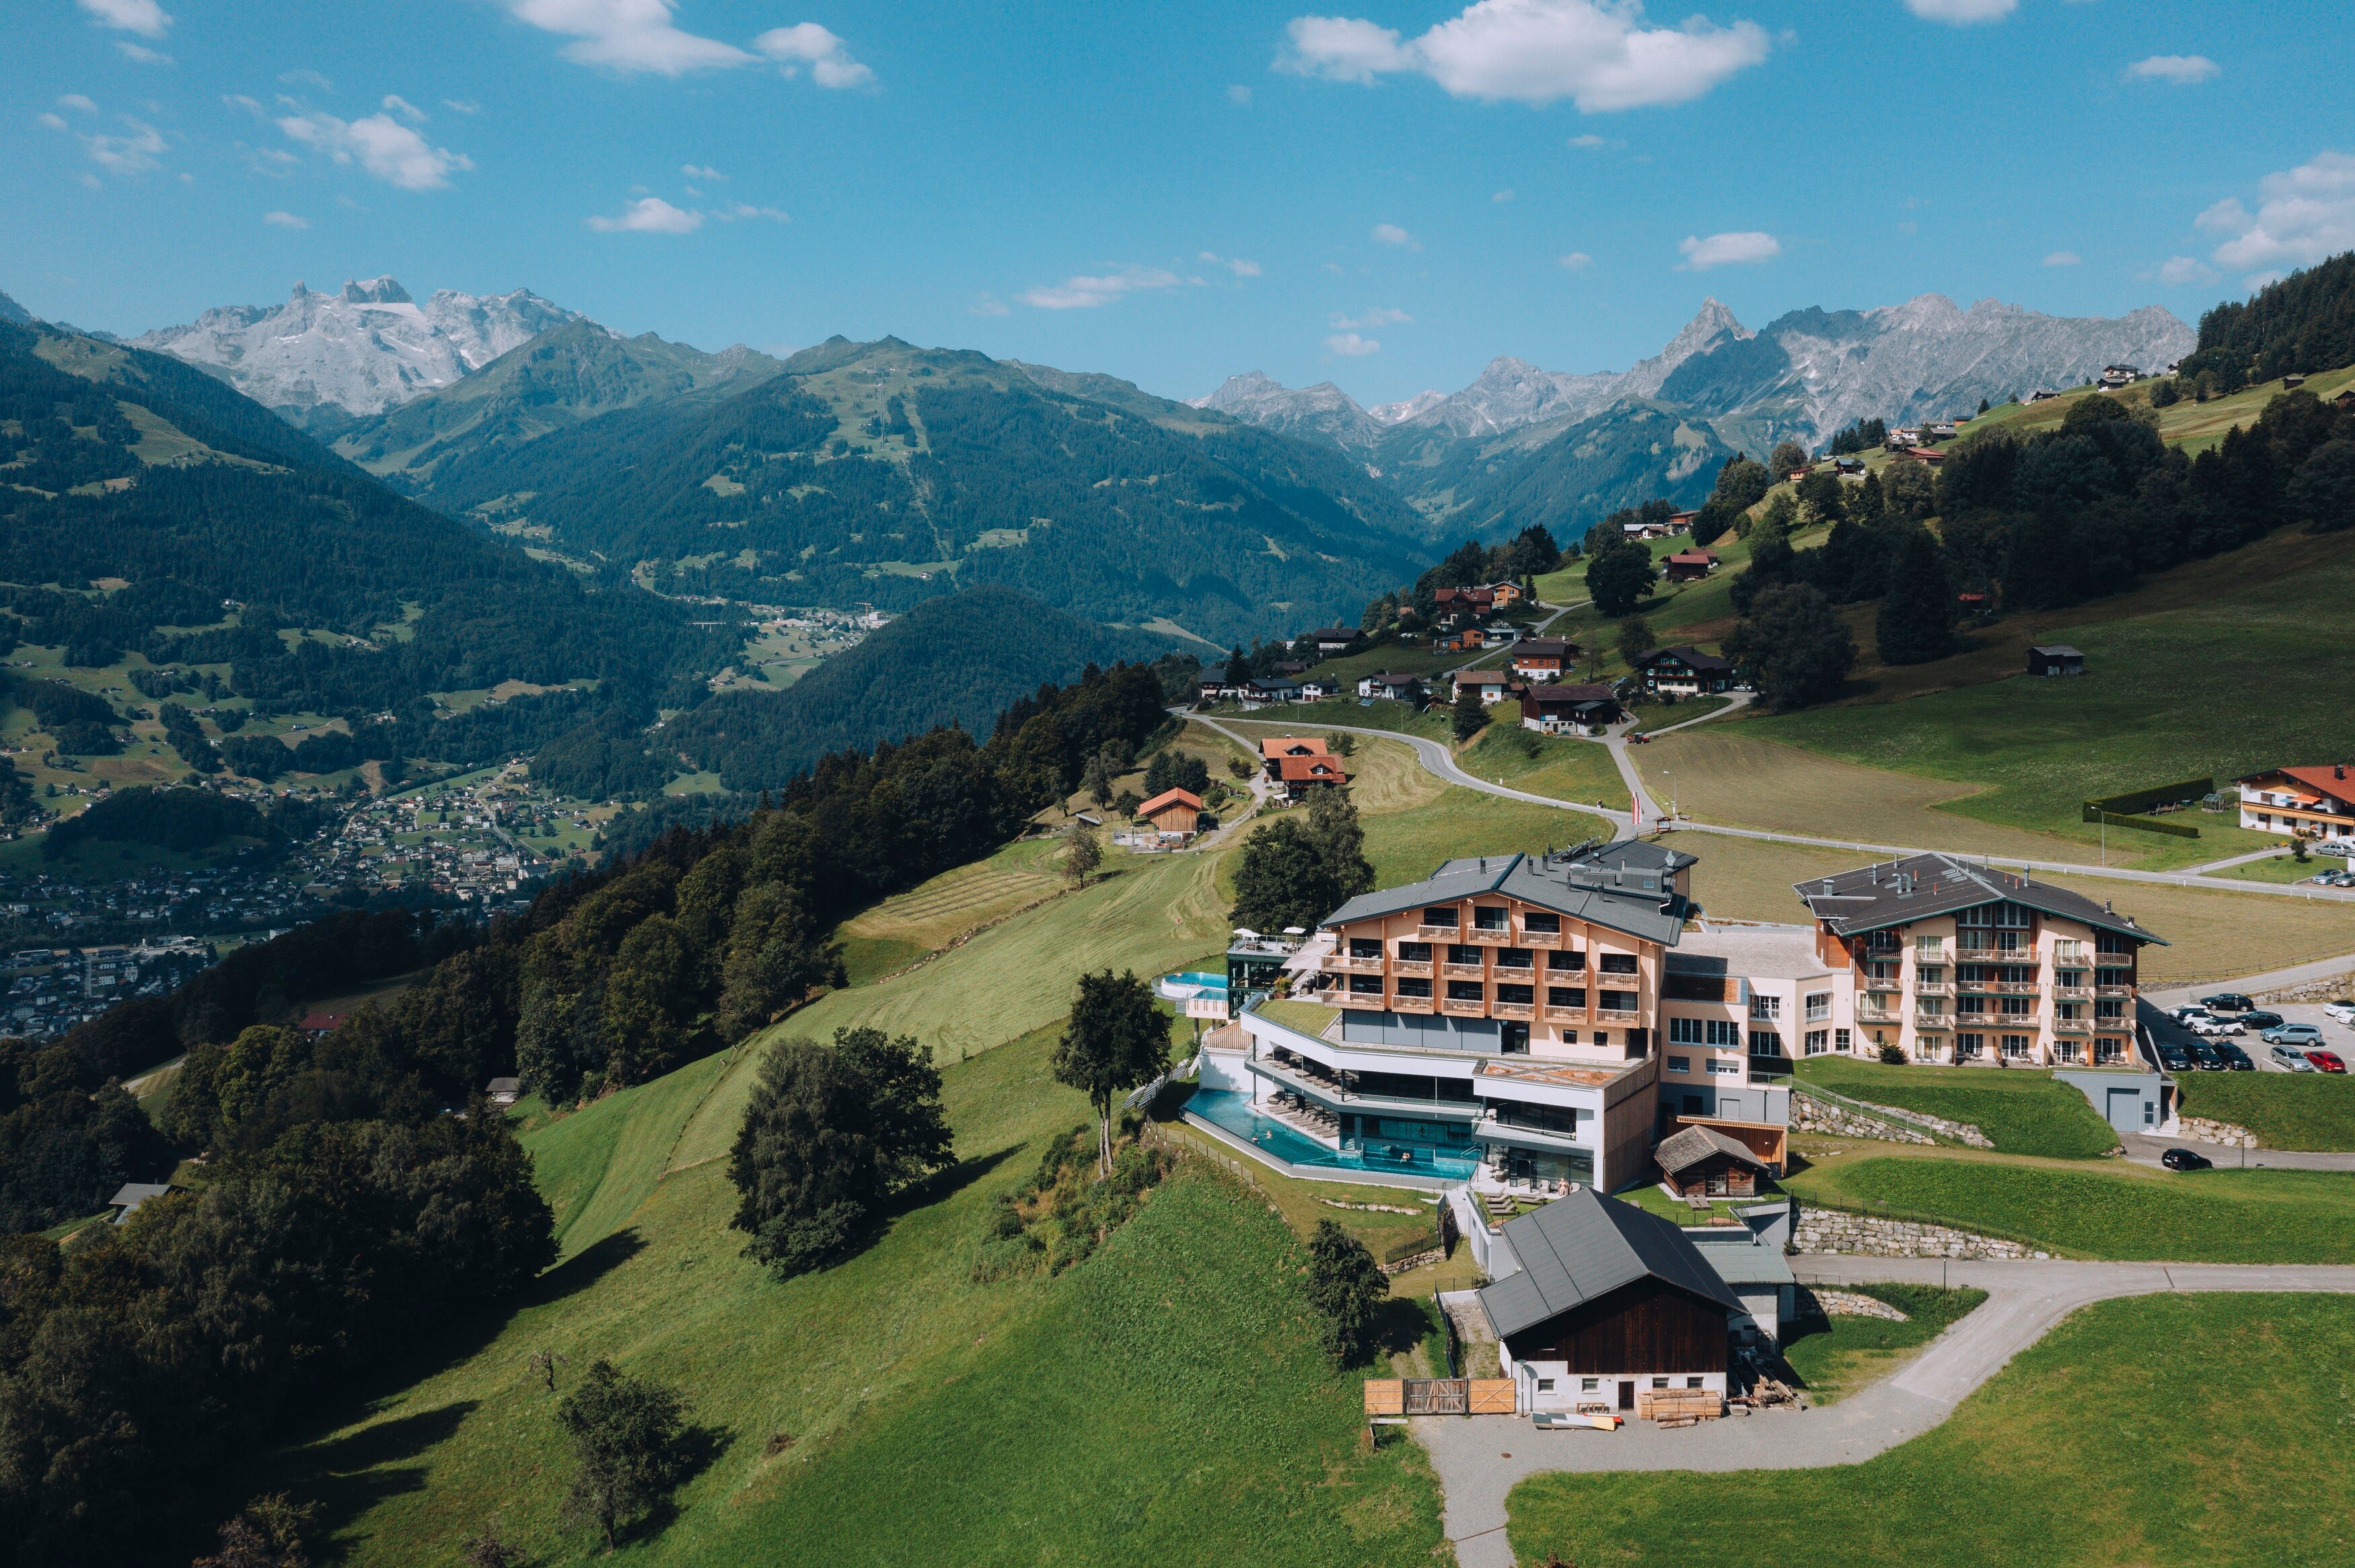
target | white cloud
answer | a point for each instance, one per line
(2176, 270)
(1351, 344)
(141, 53)
(1588, 142)
(703, 172)
(2063, 259)
(1576, 261)
(396, 104)
(306, 79)
(133, 152)
(1726, 251)
(987, 305)
(1235, 264)
(1239, 96)
(2305, 215)
(1379, 317)
(2257, 281)
(808, 44)
(2181, 69)
(1081, 293)
(1503, 195)
(745, 211)
(285, 220)
(1962, 13)
(627, 35)
(75, 101)
(649, 215)
(381, 145)
(55, 121)
(1596, 53)
(462, 106)
(143, 17)
(1392, 234)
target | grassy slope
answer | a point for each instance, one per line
(1833, 1357)
(1563, 766)
(2024, 1112)
(2286, 1110)
(2088, 1451)
(2125, 1211)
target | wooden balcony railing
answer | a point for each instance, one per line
(1464, 971)
(1419, 968)
(1512, 1010)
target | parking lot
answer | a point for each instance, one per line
(2336, 1036)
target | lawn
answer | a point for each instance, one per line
(1562, 766)
(899, 1382)
(2210, 670)
(925, 918)
(2088, 1451)
(1405, 846)
(2025, 1111)
(2125, 1211)
(1832, 1357)
(2286, 1110)
(2282, 869)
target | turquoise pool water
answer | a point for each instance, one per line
(1233, 1112)
(1198, 977)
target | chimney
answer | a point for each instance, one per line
(2338, 771)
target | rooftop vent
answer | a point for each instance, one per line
(1828, 885)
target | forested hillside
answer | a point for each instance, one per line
(881, 474)
(2301, 325)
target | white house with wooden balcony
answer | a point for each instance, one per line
(2311, 803)
(1505, 1009)
(1951, 962)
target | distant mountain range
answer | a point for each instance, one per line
(320, 357)
(1525, 444)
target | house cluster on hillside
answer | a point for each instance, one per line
(1568, 1017)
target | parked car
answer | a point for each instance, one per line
(2339, 1012)
(2260, 1019)
(2186, 1159)
(2205, 1056)
(2235, 1059)
(2295, 1061)
(2229, 1000)
(2326, 1060)
(2207, 1025)
(2293, 1035)
(2174, 1059)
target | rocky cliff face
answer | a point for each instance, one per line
(360, 351)
(1322, 410)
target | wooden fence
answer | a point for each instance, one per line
(1395, 1396)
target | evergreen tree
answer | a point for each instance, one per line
(1916, 622)
(1471, 715)
(1635, 639)
(1794, 647)
(1239, 669)
(1619, 578)
(1347, 1288)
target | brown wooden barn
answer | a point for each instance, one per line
(1704, 1162)
(1173, 810)
(1613, 1309)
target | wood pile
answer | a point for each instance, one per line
(1678, 1406)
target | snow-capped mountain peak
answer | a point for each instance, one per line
(363, 349)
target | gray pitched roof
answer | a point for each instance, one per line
(1691, 658)
(1740, 1258)
(1921, 886)
(1626, 886)
(1586, 1245)
(1687, 1147)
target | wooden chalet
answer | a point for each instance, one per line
(1569, 708)
(1298, 775)
(1690, 565)
(1173, 810)
(1687, 672)
(1700, 1161)
(1543, 658)
(1613, 1309)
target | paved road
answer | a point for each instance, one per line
(1480, 1459)
(2249, 985)
(1436, 759)
(2144, 1150)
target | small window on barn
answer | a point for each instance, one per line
(1660, 1382)
(1692, 1382)
(1545, 1385)
(1590, 1386)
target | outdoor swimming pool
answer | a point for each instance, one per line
(1196, 978)
(1231, 1112)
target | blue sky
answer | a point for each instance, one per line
(1383, 194)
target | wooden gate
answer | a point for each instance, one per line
(1438, 1396)
(1492, 1397)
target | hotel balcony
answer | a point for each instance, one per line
(2112, 990)
(1933, 988)
(1615, 1015)
(1437, 933)
(1498, 935)
(1363, 1000)
(1344, 963)
(1420, 968)
(1512, 1010)
(1328, 1092)
(1553, 1014)
(1539, 938)
(1410, 1004)
(1492, 1126)
(2015, 988)
(1879, 1014)
(1517, 974)
(2073, 993)
(1455, 1009)
(2072, 1027)
(1464, 971)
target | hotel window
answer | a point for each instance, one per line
(1928, 950)
(2112, 1007)
(1462, 953)
(2017, 1006)
(1685, 1031)
(1603, 1037)
(1969, 1045)
(2016, 1045)
(2011, 941)
(2067, 1050)
(1516, 959)
(1881, 972)
(1679, 1063)
(2071, 1011)
(1817, 1041)
(1884, 941)
(1569, 1037)
(1692, 1382)
(1840, 1039)
(1561, 959)
(1819, 1007)
(2068, 950)
(1765, 1042)
(1618, 1001)
(1766, 1009)
(1541, 920)
(1973, 1005)
(1724, 1033)
(1446, 916)
(1618, 963)
(1414, 952)
(1565, 996)
(1365, 985)
(1489, 917)
(1365, 947)
(2108, 1050)
(1463, 990)
(1930, 1007)
(1415, 988)
(1519, 995)
(1725, 1069)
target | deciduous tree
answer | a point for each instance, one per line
(1346, 1287)
(1117, 1040)
(1794, 646)
(628, 1435)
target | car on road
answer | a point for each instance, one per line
(2235, 1059)
(2326, 1060)
(2339, 1012)
(2228, 1002)
(2294, 1061)
(2186, 1159)
(2259, 1019)
(2293, 1035)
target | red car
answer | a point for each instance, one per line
(2326, 1060)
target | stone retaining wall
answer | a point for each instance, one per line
(2329, 990)
(1811, 1114)
(2200, 1129)
(1853, 1304)
(1829, 1231)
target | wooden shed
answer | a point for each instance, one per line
(1702, 1161)
(1173, 810)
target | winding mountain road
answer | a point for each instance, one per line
(1480, 1459)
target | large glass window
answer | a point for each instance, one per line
(1543, 920)
(1489, 917)
(1365, 947)
(1365, 985)
(1445, 915)
(1819, 1006)
(1462, 953)
(1618, 1000)
(1685, 1031)
(1618, 963)
(1765, 1042)
(1562, 958)
(1725, 1033)
(1565, 996)
(1516, 959)
(1520, 995)
(1411, 986)
(1766, 1009)
(1463, 990)
(1414, 952)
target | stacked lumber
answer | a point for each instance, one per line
(1678, 1406)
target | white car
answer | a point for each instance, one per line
(2211, 1028)
(2340, 1012)
(2190, 1014)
